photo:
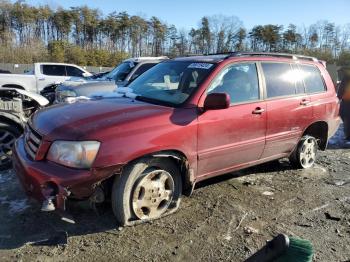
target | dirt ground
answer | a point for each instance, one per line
(226, 219)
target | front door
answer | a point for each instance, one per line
(51, 74)
(235, 136)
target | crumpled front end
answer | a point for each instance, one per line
(52, 184)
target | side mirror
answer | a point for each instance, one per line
(85, 74)
(216, 101)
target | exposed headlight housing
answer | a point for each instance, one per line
(77, 154)
(62, 95)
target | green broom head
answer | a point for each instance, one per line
(299, 250)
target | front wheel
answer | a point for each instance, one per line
(8, 136)
(146, 190)
(304, 155)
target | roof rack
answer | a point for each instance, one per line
(285, 55)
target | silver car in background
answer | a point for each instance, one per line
(120, 76)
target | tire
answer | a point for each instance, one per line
(140, 194)
(305, 154)
(8, 135)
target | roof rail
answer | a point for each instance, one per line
(193, 54)
(285, 55)
(145, 58)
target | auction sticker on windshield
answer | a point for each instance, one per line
(200, 65)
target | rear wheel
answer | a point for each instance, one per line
(147, 190)
(8, 136)
(304, 155)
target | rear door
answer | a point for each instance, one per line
(322, 102)
(289, 110)
(235, 136)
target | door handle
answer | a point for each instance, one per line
(258, 111)
(305, 102)
(41, 79)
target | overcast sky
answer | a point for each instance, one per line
(187, 13)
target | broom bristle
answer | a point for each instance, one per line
(299, 250)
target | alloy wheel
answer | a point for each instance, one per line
(7, 140)
(308, 153)
(153, 194)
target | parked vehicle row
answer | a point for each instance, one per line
(122, 75)
(182, 121)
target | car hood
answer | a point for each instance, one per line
(88, 88)
(75, 81)
(85, 119)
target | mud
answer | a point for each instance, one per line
(226, 219)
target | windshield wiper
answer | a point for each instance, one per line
(126, 92)
(154, 101)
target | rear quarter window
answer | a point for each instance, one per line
(312, 78)
(280, 79)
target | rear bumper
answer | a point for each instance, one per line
(333, 126)
(42, 180)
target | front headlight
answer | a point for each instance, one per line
(77, 154)
(61, 96)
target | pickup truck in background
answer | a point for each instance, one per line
(41, 76)
(20, 98)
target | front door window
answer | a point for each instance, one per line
(240, 81)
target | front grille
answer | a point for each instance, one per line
(32, 141)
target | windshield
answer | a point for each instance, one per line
(120, 72)
(170, 82)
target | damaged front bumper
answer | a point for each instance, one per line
(52, 184)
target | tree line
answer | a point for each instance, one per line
(85, 36)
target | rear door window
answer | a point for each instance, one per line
(73, 71)
(312, 78)
(298, 80)
(54, 70)
(240, 81)
(280, 79)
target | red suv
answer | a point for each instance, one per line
(181, 122)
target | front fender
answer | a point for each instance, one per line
(14, 118)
